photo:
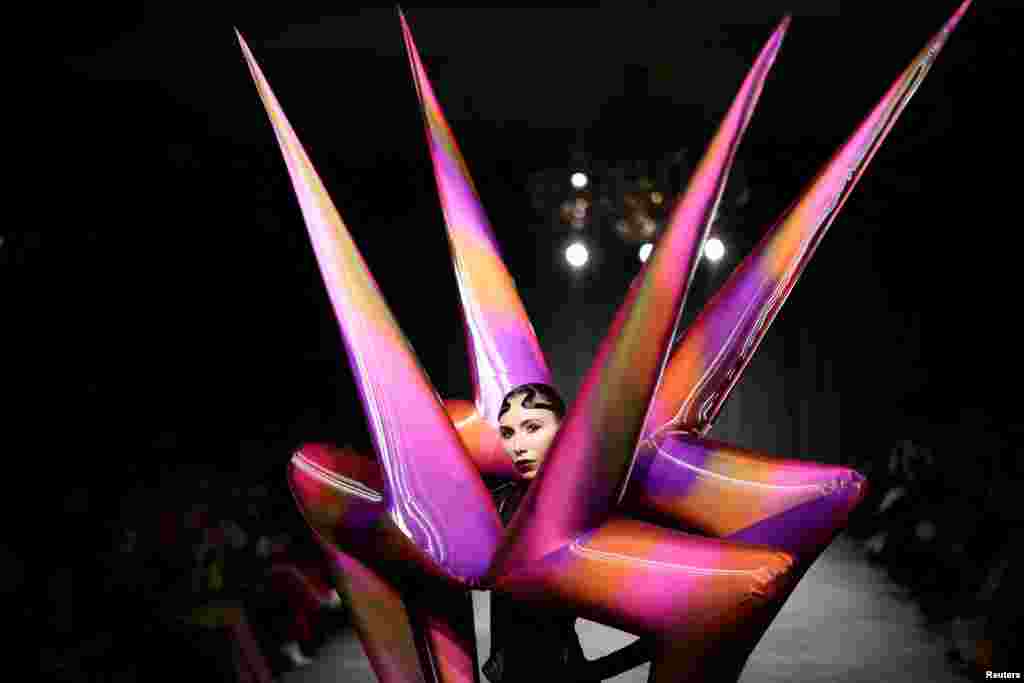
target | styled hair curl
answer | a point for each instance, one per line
(537, 396)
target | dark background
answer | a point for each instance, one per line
(168, 338)
(168, 308)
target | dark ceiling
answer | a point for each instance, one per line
(191, 268)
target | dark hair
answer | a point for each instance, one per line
(537, 396)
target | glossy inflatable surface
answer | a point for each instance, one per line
(412, 529)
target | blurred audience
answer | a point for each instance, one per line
(198, 571)
(946, 525)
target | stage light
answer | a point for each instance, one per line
(714, 250)
(576, 254)
(579, 180)
(645, 251)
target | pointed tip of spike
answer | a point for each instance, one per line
(241, 42)
(406, 31)
(939, 39)
(774, 43)
(780, 31)
(955, 19)
(410, 46)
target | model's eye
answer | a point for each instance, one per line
(532, 427)
(506, 433)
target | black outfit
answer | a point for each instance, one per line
(527, 646)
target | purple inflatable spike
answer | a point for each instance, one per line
(503, 348)
(713, 352)
(581, 480)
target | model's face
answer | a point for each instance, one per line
(526, 434)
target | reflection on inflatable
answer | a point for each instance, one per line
(599, 533)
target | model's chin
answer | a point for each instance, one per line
(528, 471)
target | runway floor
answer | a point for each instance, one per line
(846, 621)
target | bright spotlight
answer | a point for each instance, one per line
(714, 250)
(645, 251)
(579, 180)
(577, 255)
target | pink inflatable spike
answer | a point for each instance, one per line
(580, 481)
(714, 351)
(503, 348)
(419, 450)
